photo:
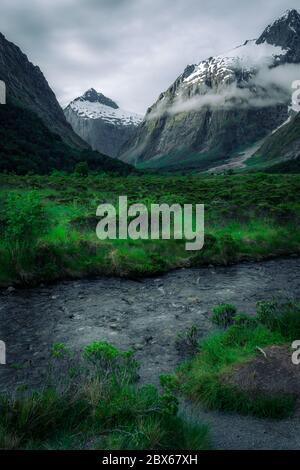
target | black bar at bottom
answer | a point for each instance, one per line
(136, 459)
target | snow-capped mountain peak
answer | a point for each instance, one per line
(284, 31)
(291, 18)
(94, 105)
(224, 102)
(246, 58)
(101, 122)
(279, 43)
(93, 96)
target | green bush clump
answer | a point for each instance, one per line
(215, 395)
(224, 314)
(282, 317)
(59, 350)
(98, 407)
(242, 319)
(81, 169)
(104, 355)
(187, 342)
(102, 351)
(204, 378)
(23, 222)
(168, 381)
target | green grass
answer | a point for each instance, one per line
(281, 317)
(247, 217)
(203, 378)
(93, 402)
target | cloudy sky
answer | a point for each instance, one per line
(130, 50)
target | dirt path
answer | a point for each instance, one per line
(146, 316)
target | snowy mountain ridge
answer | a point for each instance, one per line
(248, 58)
(224, 104)
(94, 105)
(101, 122)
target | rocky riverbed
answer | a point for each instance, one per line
(144, 315)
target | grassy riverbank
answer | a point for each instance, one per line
(47, 224)
(92, 402)
(92, 399)
(246, 368)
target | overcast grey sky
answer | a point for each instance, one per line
(130, 50)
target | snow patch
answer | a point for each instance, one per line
(89, 110)
(248, 58)
(282, 125)
(253, 55)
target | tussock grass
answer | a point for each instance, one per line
(203, 378)
(93, 402)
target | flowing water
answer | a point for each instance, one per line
(146, 316)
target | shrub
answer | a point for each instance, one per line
(223, 315)
(59, 350)
(245, 320)
(24, 222)
(105, 356)
(102, 351)
(25, 219)
(168, 381)
(94, 410)
(216, 395)
(266, 312)
(280, 317)
(187, 342)
(203, 378)
(82, 169)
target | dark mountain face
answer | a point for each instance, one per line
(94, 97)
(27, 87)
(34, 134)
(27, 145)
(281, 150)
(285, 32)
(218, 108)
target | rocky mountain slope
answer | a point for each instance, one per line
(281, 150)
(221, 106)
(27, 87)
(100, 122)
(34, 134)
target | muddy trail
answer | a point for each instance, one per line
(146, 316)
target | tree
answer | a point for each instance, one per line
(82, 169)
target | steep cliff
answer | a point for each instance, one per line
(27, 87)
(219, 107)
(100, 122)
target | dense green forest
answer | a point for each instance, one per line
(28, 146)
